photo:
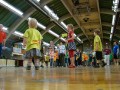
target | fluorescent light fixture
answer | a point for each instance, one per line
(53, 33)
(39, 24)
(79, 39)
(38, 0)
(51, 13)
(13, 9)
(5, 29)
(115, 1)
(75, 35)
(62, 39)
(64, 25)
(113, 19)
(46, 44)
(110, 36)
(18, 33)
(111, 29)
(115, 5)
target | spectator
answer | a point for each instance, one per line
(2, 38)
(107, 52)
(62, 52)
(98, 49)
(116, 52)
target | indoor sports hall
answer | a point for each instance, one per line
(59, 44)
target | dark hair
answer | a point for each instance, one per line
(116, 42)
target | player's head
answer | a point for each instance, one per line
(32, 23)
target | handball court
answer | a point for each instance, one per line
(60, 78)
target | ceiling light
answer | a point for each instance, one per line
(113, 19)
(10, 7)
(115, 5)
(64, 25)
(112, 29)
(18, 33)
(62, 39)
(51, 13)
(115, 1)
(78, 39)
(38, 0)
(5, 29)
(110, 36)
(41, 26)
(46, 44)
(75, 35)
(53, 33)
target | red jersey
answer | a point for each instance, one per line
(107, 51)
(70, 36)
(2, 36)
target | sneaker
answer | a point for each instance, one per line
(97, 66)
(103, 64)
(71, 66)
(36, 67)
(28, 68)
(42, 66)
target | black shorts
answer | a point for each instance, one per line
(115, 56)
(99, 55)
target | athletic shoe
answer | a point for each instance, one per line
(42, 66)
(71, 66)
(36, 67)
(97, 65)
(28, 68)
(103, 63)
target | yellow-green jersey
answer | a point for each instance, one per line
(99, 45)
(33, 38)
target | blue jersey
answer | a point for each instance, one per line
(115, 48)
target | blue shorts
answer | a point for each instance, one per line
(115, 56)
(0, 49)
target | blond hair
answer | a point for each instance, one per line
(32, 23)
(70, 26)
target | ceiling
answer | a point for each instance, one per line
(87, 16)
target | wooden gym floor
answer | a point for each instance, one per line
(81, 78)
